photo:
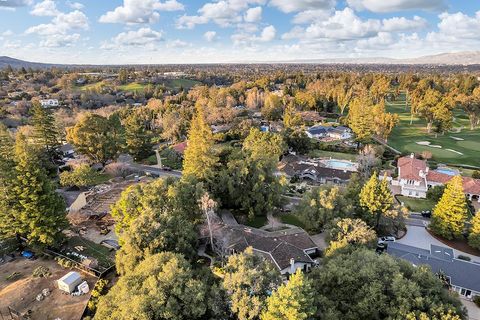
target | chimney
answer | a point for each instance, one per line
(412, 155)
(292, 266)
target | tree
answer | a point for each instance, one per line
(360, 118)
(81, 176)
(97, 137)
(377, 199)
(384, 122)
(451, 212)
(164, 286)
(364, 285)
(44, 129)
(297, 140)
(343, 95)
(137, 137)
(264, 146)
(291, 118)
(291, 301)
(7, 178)
(471, 104)
(321, 205)
(474, 235)
(248, 280)
(433, 107)
(38, 211)
(272, 109)
(435, 193)
(347, 232)
(200, 159)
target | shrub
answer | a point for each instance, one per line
(435, 193)
(65, 263)
(41, 272)
(81, 176)
(476, 174)
(476, 300)
(99, 290)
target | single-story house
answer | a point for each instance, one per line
(303, 169)
(339, 133)
(288, 250)
(463, 276)
(47, 103)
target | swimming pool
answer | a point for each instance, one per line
(339, 164)
(450, 172)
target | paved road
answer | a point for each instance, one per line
(420, 238)
(155, 170)
(416, 219)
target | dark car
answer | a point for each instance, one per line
(166, 168)
(426, 213)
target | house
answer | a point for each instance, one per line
(462, 275)
(48, 103)
(180, 148)
(338, 133)
(415, 178)
(311, 170)
(288, 250)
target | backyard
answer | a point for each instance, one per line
(458, 147)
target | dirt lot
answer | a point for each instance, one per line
(20, 293)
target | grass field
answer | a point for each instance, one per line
(331, 154)
(171, 84)
(405, 135)
(291, 219)
(417, 205)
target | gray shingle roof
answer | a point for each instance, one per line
(462, 273)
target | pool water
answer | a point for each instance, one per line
(450, 172)
(339, 164)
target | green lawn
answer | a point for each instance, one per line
(256, 222)
(405, 135)
(171, 84)
(332, 154)
(104, 256)
(134, 86)
(417, 205)
(291, 219)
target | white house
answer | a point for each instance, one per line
(338, 133)
(48, 103)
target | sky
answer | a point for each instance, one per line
(223, 31)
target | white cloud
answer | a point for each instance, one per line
(15, 3)
(210, 36)
(46, 8)
(268, 34)
(288, 6)
(224, 13)
(403, 24)
(7, 33)
(140, 37)
(460, 25)
(342, 25)
(75, 5)
(140, 11)
(397, 5)
(309, 16)
(60, 40)
(381, 40)
(177, 44)
(253, 15)
(61, 24)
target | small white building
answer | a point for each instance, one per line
(69, 282)
(48, 103)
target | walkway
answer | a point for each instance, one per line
(420, 238)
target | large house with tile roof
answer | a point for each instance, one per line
(415, 178)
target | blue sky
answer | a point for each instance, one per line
(193, 31)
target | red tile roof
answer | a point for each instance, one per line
(470, 185)
(438, 177)
(180, 147)
(409, 168)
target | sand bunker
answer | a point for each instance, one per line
(455, 151)
(457, 138)
(423, 143)
(435, 146)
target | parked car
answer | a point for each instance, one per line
(386, 239)
(426, 213)
(165, 168)
(28, 255)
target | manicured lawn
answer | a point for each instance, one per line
(332, 154)
(417, 205)
(291, 219)
(134, 86)
(405, 135)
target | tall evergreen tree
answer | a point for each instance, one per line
(44, 129)
(137, 137)
(376, 198)
(39, 212)
(451, 212)
(7, 177)
(291, 301)
(474, 236)
(200, 159)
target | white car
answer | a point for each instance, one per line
(386, 239)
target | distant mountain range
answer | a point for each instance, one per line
(458, 58)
